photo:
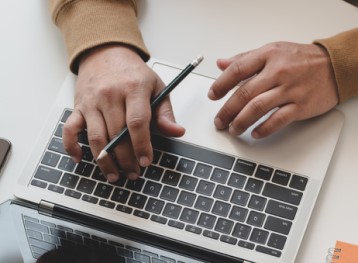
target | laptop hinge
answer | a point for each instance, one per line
(46, 208)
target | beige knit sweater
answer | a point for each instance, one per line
(89, 23)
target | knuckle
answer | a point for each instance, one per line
(137, 121)
(280, 119)
(96, 139)
(258, 107)
(237, 127)
(236, 68)
(243, 94)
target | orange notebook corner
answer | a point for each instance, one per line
(345, 253)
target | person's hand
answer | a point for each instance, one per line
(113, 90)
(297, 79)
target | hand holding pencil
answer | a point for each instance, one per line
(111, 95)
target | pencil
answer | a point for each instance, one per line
(159, 98)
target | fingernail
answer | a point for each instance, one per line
(132, 176)
(218, 123)
(211, 94)
(144, 161)
(255, 135)
(111, 177)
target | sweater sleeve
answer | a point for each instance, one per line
(89, 23)
(343, 52)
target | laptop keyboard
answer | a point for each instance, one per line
(222, 197)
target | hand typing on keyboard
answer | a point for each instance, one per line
(109, 95)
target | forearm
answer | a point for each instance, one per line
(343, 52)
(88, 24)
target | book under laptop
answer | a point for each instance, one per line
(207, 197)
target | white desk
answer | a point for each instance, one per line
(33, 65)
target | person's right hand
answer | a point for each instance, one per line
(114, 89)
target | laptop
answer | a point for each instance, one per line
(207, 197)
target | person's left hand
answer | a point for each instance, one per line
(297, 79)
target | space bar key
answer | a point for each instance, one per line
(282, 194)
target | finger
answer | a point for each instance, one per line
(166, 121)
(255, 110)
(138, 118)
(115, 118)
(127, 160)
(242, 67)
(73, 126)
(98, 139)
(241, 97)
(278, 120)
(223, 63)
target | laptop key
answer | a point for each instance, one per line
(298, 182)
(281, 177)
(205, 188)
(172, 210)
(276, 241)
(211, 234)
(90, 199)
(264, 172)
(206, 220)
(50, 159)
(203, 170)
(154, 173)
(219, 176)
(193, 229)
(48, 174)
(237, 180)
(189, 215)
(141, 214)
(154, 206)
(278, 225)
(176, 224)
(56, 145)
(103, 190)
(38, 183)
(246, 244)
(107, 204)
(152, 188)
(84, 169)
(259, 236)
(171, 178)
(169, 193)
(224, 226)
(188, 182)
(185, 166)
(241, 231)
(137, 200)
(281, 209)
(135, 185)
(73, 194)
(228, 239)
(120, 195)
(56, 188)
(269, 251)
(244, 167)
(282, 193)
(168, 161)
(254, 185)
(238, 213)
(67, 164)
(85, 185)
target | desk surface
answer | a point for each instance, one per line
(33, 66)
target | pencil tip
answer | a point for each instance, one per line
(197, 61)
(102, 154)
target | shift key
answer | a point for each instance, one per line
(282, 194)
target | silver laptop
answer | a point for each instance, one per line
(207, 197)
